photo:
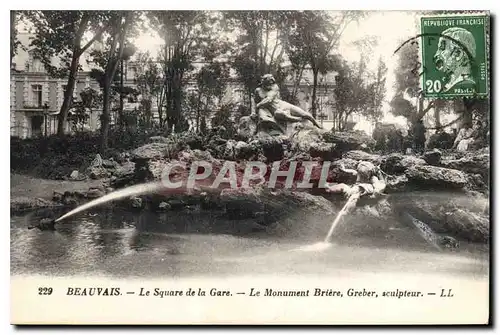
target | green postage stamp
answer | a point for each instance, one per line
(455, 56)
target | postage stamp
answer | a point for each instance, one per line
(454, 56)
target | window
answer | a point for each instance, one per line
(36, 95)
(131, 72)
(238, 94)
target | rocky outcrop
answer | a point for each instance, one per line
(433, 157)
(474, 163)
(461, 216)
(21, 204)
(343, 150)
(346, 141)
(398, 163)
(435, 177)
(359, 155)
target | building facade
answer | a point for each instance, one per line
(36, 98)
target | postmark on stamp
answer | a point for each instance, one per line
(454, 56)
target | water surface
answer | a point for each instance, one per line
(119, 243)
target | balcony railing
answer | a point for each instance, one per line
(36, 107)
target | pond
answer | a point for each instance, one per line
(121, 243)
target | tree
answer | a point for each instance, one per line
(82, 110)
(315, 36)
(121, 26)
(377, 91)
(61, 35)
(211, 82)
(150, 84)
(16, 16)
(352, 93)
(408, 101)
(186, 36)
(261, 44)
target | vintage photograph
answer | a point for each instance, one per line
(319, 159)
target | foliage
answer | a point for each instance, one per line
(122, 25)
(261, 44)
(62, 34)
(16, 16)
(358, 91)
(223, 118)
(211, 83)
(315, 37)
(90, 101)
(187, 36)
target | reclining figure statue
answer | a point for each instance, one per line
(272, 113)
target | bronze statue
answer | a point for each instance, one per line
(272, 112)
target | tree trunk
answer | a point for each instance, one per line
(68, 95)
(121, 120)
(315, 86)
(467, 113)
(198, 112)
(437, 117)
(105, 119)
(13, 35)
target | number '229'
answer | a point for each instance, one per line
(44, 290)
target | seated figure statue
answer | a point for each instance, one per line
(273, 113)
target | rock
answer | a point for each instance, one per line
(123, 175)
(325, 151)
(22, 204)
(339, 175)
(304, 138)
(461, 215)
(164, 206)
(272, 147)
(246, 128)
(245, 151)
(467, 225)
(396, 183)
(57, 196)
(158, 139)
(74, 175)
(136, 202)
(109, 189)
(474, 162)
(189, 156)
(475, 182)
(228, 152)
(348, 163)
(97, 162)
(98, 173)
(192, 140)
(70, 199)
(94, 193)
(44, 224)
(349, 140)
(433, 157)
(359, 155)
(435, 177)
(154, 151)
(110, 164)
(397, 163)
(245, 203)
